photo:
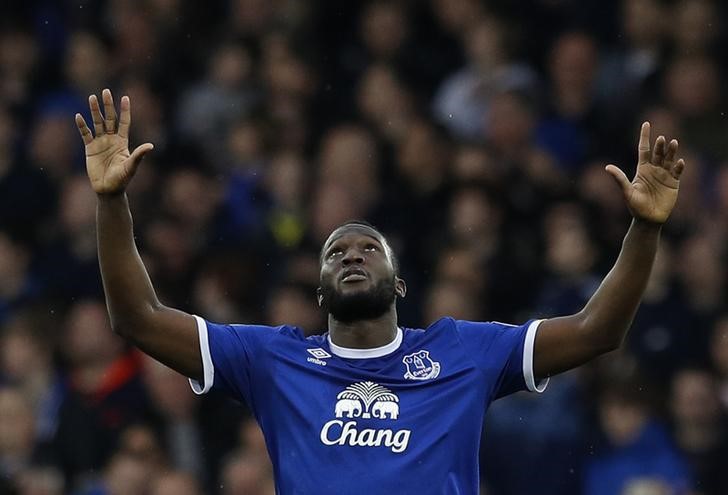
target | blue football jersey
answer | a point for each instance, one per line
(404, 418)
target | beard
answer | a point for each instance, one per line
(363, 305)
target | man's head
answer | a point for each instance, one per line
(359, 273)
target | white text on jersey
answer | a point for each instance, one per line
(336, 432)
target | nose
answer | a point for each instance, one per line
(352, 256)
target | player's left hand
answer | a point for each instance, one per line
(652, 193)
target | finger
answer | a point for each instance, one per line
(109, 111)
(620, 177)
(125, 118)
(98, 119)
(138, 154)
(677, 170)
(658, 154)
(643, 148)
(83, 129)
(671, 152)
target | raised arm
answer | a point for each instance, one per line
(566, 342)
(166, 334)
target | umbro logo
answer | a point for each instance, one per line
(318, 355)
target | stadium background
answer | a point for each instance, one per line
(473, 133)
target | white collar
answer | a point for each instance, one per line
(374, 352)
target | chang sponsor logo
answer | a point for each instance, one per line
(365, 400)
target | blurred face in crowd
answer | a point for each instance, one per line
(384, 28)
(569, 249)
(190, 197)
(334, 203)
(77, 206)
(22, 354)
(89, 338)
(18, 54)
(456, 16)
(286, 179)
(127, 475)
(168, 390)
(510, 122)
(697, 26)
(692, 85)
(245, 474)
(450, 298)
(53, 145)
(384, 100)
(621, 418)
(231, 66)
(17, 425)
(40, 481)
(694, 398)
(13, 264)
(358, 279)
(702, 267)
(83, 75)
(175, 483)
(643, 21)
(484, 44)
(349, 156)
(473, 215)
(573, 62)
(422, 157)
(140, 442)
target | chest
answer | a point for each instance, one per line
(413, 388)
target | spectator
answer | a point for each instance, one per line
(637, 447)
(700, 427)
(17, 433)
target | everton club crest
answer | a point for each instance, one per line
(420, 366)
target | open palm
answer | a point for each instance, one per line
(109, 164)
(652, 194)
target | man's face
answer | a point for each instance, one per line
(358, 281)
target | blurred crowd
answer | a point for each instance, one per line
(473, 133)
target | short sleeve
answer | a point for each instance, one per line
(228, 357)
(504, 352)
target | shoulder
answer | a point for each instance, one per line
(443, 325)
(487, 333)
(251, 332)
(449, 324)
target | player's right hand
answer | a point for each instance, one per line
(109, 164)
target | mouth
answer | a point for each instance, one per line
(353, 275)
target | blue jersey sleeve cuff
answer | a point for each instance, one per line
(208, 370)
(528, 373)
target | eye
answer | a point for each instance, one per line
(335, 252)
(371, 247)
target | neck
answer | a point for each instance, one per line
(364, 334)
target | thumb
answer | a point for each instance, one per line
(138, 154)
(620, 177)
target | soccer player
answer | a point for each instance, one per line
(370, 406)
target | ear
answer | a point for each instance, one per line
(319, 296)
(400, 287)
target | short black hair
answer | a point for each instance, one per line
(364, 223)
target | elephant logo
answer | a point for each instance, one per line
(380, 410)
(420, 366)
(367, 400)
(351, 408)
